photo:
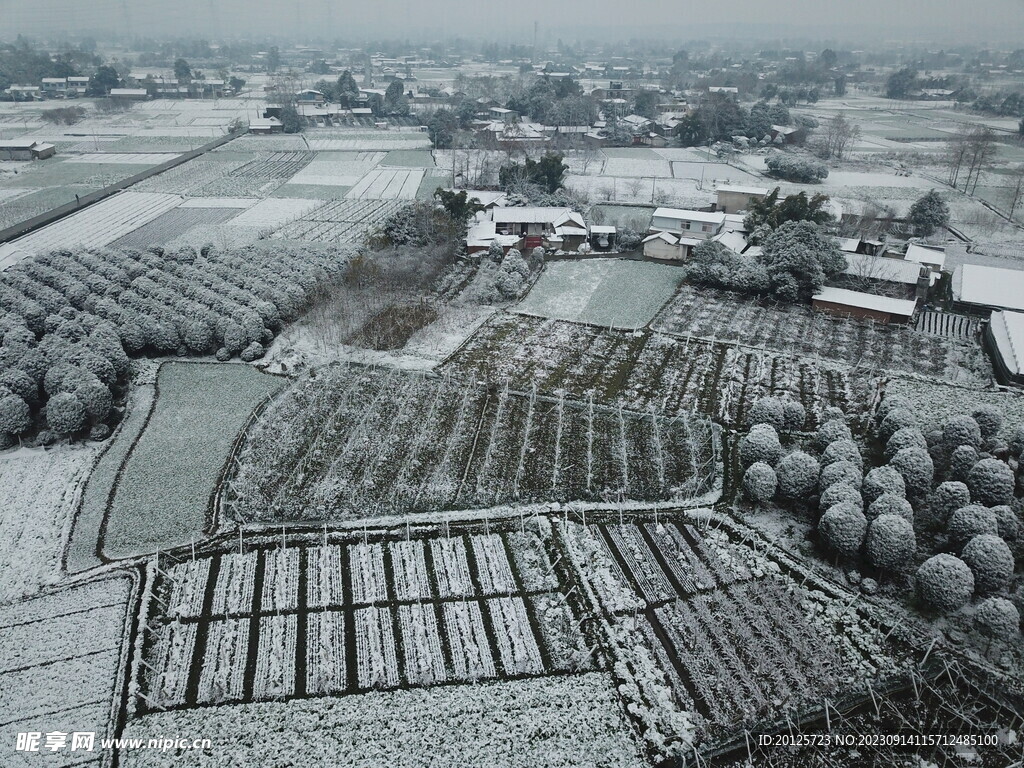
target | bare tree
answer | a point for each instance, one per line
(971, 152)
(837, 136)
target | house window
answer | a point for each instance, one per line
(705, 227)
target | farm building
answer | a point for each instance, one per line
(932, 258)
(670, 247)
(733, 199)
(485, 198)
(135, 94)
(560, 228)
(893, 276)
(883, 309)
(602, 237)
(695, 224)
(25, 149)
(309, 96)
(1004, 339)
(482, 234)
(979, 290)
(265, 125)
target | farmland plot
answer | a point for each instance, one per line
(594, 292)
(95, 226)
(172, 224)
(188, 178)
(259, 176)
(644, 370)
(572, 721)
(60, 665)
(337, 168)
(387, 184)
(739, 641)
(357, 443)
(274, 213)
(794, 330)
(378, 611)
(340, 221)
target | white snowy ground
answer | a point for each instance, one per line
(553, 722)
(38, 491)
(605, 292)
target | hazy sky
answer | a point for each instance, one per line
(510, 20)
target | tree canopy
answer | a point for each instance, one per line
(772, 213)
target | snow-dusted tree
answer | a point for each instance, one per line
(252, 352)
(96, 398)
(917, 469)
(761, 444)
(15, 415)
(842, 529)
(832, 413)
(1006, 519)
(970, 521)
(495, 252)
(798, 475)
(890, 543)
(514, 262)
(890, 504)
(944, 583)
(794, 415)
(830, 432)
(991, 482)
(760, 482)
(223, 355)
(65, 413)
(908, 437)
(890, 403)
(928, 213)
(895, 420)
(509, 284)
(537, 257)
(198, 337)
(961, 460)
(53, 381)
(997, 618)
(840, 493)
(1017, 442)
(768, 410)
(946, 499)
(842, 450)
(960, 430)
(234, 338)
(21, 384)
(990, 560)
(882, 480)
(845, 472)
(989, 419)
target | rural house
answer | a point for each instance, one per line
(1004, 340)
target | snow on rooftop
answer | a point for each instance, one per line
(740, 190)
(1008, 332)
(901, 307)
(924, 255)
(668, 237)
(734, 241)
(528, 215)
(684, 215)
(879, 268)
(989, 286)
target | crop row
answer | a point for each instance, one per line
(359, 442)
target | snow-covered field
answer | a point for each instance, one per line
(612, 293)
(38, 489)
(164, 488)
(340, 221)
(275, 212)
(387, 185)
(95, 226)
(558, 722)
(61, 663)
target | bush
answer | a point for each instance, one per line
(760, 482)
(768, 410)
(895, 420)
(917, 469)
(223, 355)
(883, 480)
(845, 472)
(15, 415)
(252, 352)
(991, 482)
(891, 403)
(970, 521)
(947, 498)
(990, 560)
(830, 432)
(842, 529)
(795, 169)
(989, 420)
(907, 437)
(842, 450)
(890, 504)
(944, 583)
(794, 416)
(96, 399)
(960, 430)
(798, 475)
(760, 444)
(961, 460)
(99, 432)
(1017, 442)
(890, 543)
(997, 618)
(65, 413)
(21, 384)
(1006, 519)
(840, 494)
